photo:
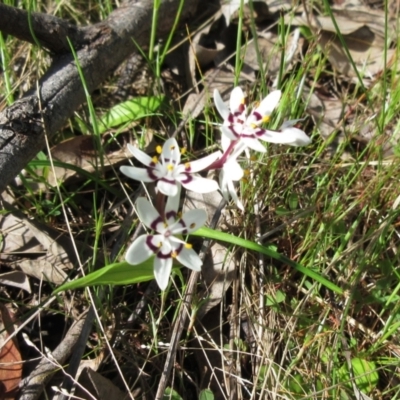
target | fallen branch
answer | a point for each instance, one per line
(59, 92)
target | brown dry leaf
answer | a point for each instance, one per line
(37, 249)
(362, 29)
(10, 357)
(98, 386)
(81, 152)
(326, 112)
(16, 279)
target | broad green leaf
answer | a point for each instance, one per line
(128, 111)
(268, 251)
(365, 374)
(275, 299)
(171, 394)
(114, 274)
(206, 394)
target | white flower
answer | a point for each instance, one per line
(164, 243)
(167, 171)
(240, 124)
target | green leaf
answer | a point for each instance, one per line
(206, 394)
(366, 376)
(277, 298)
(268, 251)
(114, 274)
(171, 394)
(128, 111)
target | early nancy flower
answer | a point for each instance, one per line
(167, 171)
(166, 244)
(240, 124)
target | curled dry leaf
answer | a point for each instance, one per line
(101, 388)
(16, 279)
(10, 357)
(363, 32)
(38, 250)
(81, 152)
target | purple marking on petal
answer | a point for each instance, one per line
(170, 181)
(248, 135)
(257, 115)
(236, 134)
(165, 256)
(231, 118)
(171, 214)
(154, 224)
(151, 174)
(151, 245)
(260, 132)
(188, 178)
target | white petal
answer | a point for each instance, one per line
(140, 155)
(235, 198)
(147, 213)
(225, 142)
(162, 271)
(171, 151)
(254, 144)
(173, 201)
(237, 100)
(233, 171)
(239, 148)
(220, 105)
(290, 123)
(190, 259)
(289, 136)
(203, 163)
(138, 251)
(200, 185)
(139, 174)
(228, 133)
(193, 220)
(269, 103)
(167, 187)
(297, 136)
(228, 189)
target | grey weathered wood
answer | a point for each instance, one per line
(59, 92)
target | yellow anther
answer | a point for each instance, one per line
(174, 254)
(187, 165)
(266, 119)
(188, 245)
(192, 225)
(246, 172)
(179, 214)
(170, 167)
(243, 101)
(155, 159)
(253, 125)
(183, 150)
(256, 104)
(159, 149)
(172, 147)
(253, 158)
